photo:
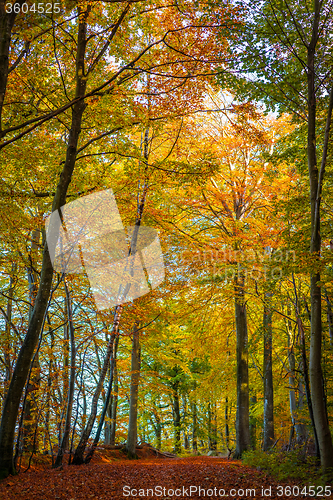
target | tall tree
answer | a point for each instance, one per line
(288, 55)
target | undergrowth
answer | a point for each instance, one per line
(287, 465)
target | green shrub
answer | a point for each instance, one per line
(284, 465)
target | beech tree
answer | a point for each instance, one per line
(287, 51)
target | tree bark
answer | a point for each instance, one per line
(30, 407)
(329, 314)
(242, 415)
(194, 427)
(307, 384)
(7, 343)
(176, 416)
(268, 378)
(253, 423)
(214, 427)
(114, 406)
(133, 410)
(65, 438)
(6, 25)
(65, 372)
(226, 419)
(186, 440)
(157, 425)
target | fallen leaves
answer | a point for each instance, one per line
(145, 478)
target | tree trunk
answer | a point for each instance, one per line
(194, 427)
(133, 410)
(109, 429)
(329, 314)
(307, 384)
(30, 420)
(30, 406)
(226, 419)
(114, 406)
(176, 416)
(7, 340)
(65, 438)
(253, 423)
(209, 426)
(186, 440)
(48, 394)
(11, 405)
(316, 181)
(65, 371)
(214, 427)
(6, 25)
(242, 415)
(157, 425)
(292, 386)
(268, 378)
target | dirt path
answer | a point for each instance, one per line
(155, 479)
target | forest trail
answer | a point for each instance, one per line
(167, 479)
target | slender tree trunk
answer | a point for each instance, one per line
(48, 395)
(114, 406)
(316, 180)
(292, 385)
(107, 424)
(194, 427)
(253, 423)
(226, 419)
(242, 415)
(307, 383)
(133, 410)
(6, 25)
(209, 426)
(176, 416)
(300, 428)
(157, 425)
(186, 440)
(65, 371)
(329, 314)
(214, 427)
(30, 410)
(8, 327)
(11, 405)
(111, 407)
(65, 438)
(268, 378)
(30, 406)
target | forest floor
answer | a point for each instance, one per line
(110, 477)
